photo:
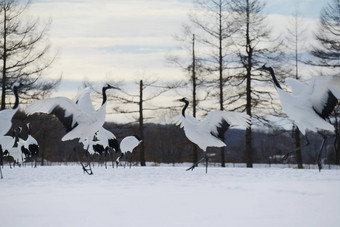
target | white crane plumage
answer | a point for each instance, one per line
(309, 105)
(128, 144)
(80, 119)
(210, 131)
(23, 145)
(7, 114)
(105, 140)
(6, 146)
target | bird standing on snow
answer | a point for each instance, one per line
(80, 119)
(6, 146)
(109, 142)
(32, 145)
(309, 105)
(105, 140)
(210, 131)
(23, 145)
(127, 145)
(15, 152)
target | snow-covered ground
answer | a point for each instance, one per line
(169, 196)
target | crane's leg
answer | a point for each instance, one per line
(118, 159)
(199, 161)
(125, 160)
(1, 173)
(35, 161)
(324, 138)
(206, 162)
(89, 169)
(85, 169)
(112, 160)
(131, 160)
(296, 149)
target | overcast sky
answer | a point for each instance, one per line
(129, 40)
(122, 39)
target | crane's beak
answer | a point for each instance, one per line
(109, 86)
(260, 68)
(180, 100)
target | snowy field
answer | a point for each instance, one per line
(169, 196)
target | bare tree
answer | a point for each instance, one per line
(295, 40)
(255, 47)
(132, 103)
(214, 26)
(327, 52)
(24, 52)
(195, 72)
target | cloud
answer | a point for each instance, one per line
(119, 38)
(96, 38)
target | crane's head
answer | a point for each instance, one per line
(137, 137)
(264, 67)
(17, 85)
(109, 86)
(185, 100)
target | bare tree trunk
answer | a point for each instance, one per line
(249, 50)
(141, 124)
(296, 132)
(221, 75)
(194, 101)
(4, 59)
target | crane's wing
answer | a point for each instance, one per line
(83, 100)
(325, 94)
(129, 143)
(178, 120)
(63, 108)
(334, 86)
(296, 85)
(104, 134)
(218, 122)
(6, 120)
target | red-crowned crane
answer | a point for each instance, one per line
(32, 145)
(80, 121)
(309, 105)
(127, 145)
(210, 131)
(6, 146)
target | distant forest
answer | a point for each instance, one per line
(168, 144)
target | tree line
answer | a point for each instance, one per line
(166, 143)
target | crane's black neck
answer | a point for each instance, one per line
(104, 95)
(15, 91)
(271, 71)
(137, 137)
(185, 107)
